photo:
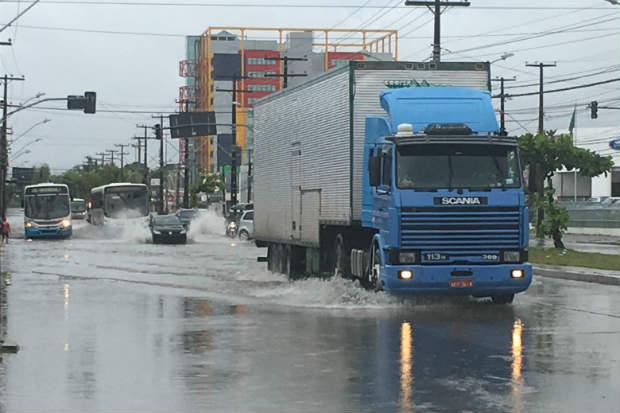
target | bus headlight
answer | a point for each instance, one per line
(28, 224)
(65, 223)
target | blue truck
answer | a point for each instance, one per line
(393, 173)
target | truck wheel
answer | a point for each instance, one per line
(371, 277)
(270, 257)
(502, 298)
(284, 259)
(341, 257)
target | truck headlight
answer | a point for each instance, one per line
(407, 257)
(65, 223)
(182, 232)
(156, 232)
(516, 273)
(28, 224)
(512, 256)
(405, 274)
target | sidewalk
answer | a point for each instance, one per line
(603, 244)
(594, 275)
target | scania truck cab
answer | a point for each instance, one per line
(442, 191)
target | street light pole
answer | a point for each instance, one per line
(4, 146)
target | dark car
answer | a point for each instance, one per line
(168, 229)
(187, 215)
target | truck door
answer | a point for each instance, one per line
(295, 190)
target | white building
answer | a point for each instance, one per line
(596, 140)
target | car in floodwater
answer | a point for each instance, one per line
(246, 225)
(187, 215)
(168, 229)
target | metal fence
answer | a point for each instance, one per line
(585, 214)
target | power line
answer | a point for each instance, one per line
(282, 5)
(558, 30)
(565, 79)
(562, 89)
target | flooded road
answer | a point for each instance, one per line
(106, 321)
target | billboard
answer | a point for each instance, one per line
(23, 175)
(192, 124)
(226, 66)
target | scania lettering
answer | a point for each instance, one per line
(412, 190)
(47, 211)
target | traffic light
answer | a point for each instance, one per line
(158, 132)
(90, 102)
(594, 109)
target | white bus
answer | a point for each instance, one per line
(47, 211)
(118, 201)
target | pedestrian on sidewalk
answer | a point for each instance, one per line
(6, 229)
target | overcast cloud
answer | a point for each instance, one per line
(140, 72)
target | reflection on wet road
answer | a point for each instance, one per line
(110, 322)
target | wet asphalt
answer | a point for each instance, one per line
(107, 321)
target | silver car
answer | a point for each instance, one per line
(246, 225)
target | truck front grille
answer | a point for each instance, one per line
(460, 233)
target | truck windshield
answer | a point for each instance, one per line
(438, 166)
(46, 206)
(128, 202)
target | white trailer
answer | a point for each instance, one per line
(308, 151)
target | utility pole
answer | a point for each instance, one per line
(4, 145)
(436, 10)
(249, 175)
(159, 134)
(138, 146)
(541, 111)
(502, 127)
(534, 183)
(286, 75)
(233, 152)
(112, 152)
(122, 152)
(102, 154)
(185, 169)
(146, 168)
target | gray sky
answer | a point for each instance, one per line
(68, 47)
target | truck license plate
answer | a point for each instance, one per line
(462, 283)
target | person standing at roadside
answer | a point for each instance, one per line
(6, 229)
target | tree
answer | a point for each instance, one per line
(81, 181)
(543, 154)
(206, 183)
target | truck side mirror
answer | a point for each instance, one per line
(374, 170)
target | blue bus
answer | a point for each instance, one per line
(47, 211)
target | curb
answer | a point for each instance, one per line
(576, 276)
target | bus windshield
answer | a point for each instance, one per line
(78, 206)
(125, 202)
(437, 166)
(46, 206)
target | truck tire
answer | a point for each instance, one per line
(271, 257)
(371, 278)
(341, 257)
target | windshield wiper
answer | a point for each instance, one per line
(499, 169)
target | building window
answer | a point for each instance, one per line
(260, 74)
(251, 101)
(262, 87)
(260, 61)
